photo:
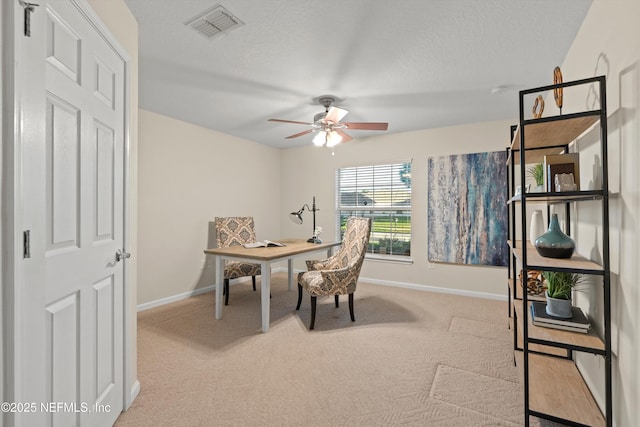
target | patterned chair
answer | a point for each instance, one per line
(338, 274)
(231, 231)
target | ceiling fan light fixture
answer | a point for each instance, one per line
(320, 139)
(333, 139)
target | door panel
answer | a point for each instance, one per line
(63, 46)
(63, 173)
(104, 182)
(62, 356)
(104, 295)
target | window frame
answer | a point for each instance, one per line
(393, 212)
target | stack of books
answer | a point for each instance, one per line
(577, 323)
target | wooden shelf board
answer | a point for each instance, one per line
(564, 197)
(557, 351)
(577, 262)
(556, 388)
(590, 339)
(556, 132)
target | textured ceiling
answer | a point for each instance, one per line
(416, 64)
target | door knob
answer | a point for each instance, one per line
(120, 255)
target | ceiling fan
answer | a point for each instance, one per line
(328, 124)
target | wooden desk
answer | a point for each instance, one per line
(264, 257)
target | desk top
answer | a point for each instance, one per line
(292, 247)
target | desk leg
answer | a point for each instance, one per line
(219, 281)
(290, 273)
(265, 279)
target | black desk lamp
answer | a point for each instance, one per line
(297, 218)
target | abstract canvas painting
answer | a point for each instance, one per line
(467, 211)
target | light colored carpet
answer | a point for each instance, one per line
(411, 358)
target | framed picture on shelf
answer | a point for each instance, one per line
(558, 164)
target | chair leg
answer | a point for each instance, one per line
(299, 296)
(353, 319)
(253, 280)
(337, 301)
(226, 291)
(313, 312)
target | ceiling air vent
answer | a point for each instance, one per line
(214, 22)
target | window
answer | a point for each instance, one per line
(382, 192)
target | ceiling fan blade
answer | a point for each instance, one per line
(367, 125)
(335, 114)
(345, 136)
(300, 134)
(290, 121)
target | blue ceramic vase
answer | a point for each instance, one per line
(554, 243)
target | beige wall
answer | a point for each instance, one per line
(188, 175)
(608, 43)
(311, 171)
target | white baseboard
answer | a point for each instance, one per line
(174, 298)
(189, 294)
(439, 289)
(133, 393)
(427, 288)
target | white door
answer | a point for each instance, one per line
(70, 303)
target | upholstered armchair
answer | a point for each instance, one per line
(338, 274)
(231, 231)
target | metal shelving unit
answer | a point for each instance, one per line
(545, 355)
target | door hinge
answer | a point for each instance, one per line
(26, 244)
(28, 8)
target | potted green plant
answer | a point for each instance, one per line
(559, 286)
(537, 173)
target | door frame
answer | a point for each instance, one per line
(11, 194)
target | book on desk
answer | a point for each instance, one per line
(263, 244)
